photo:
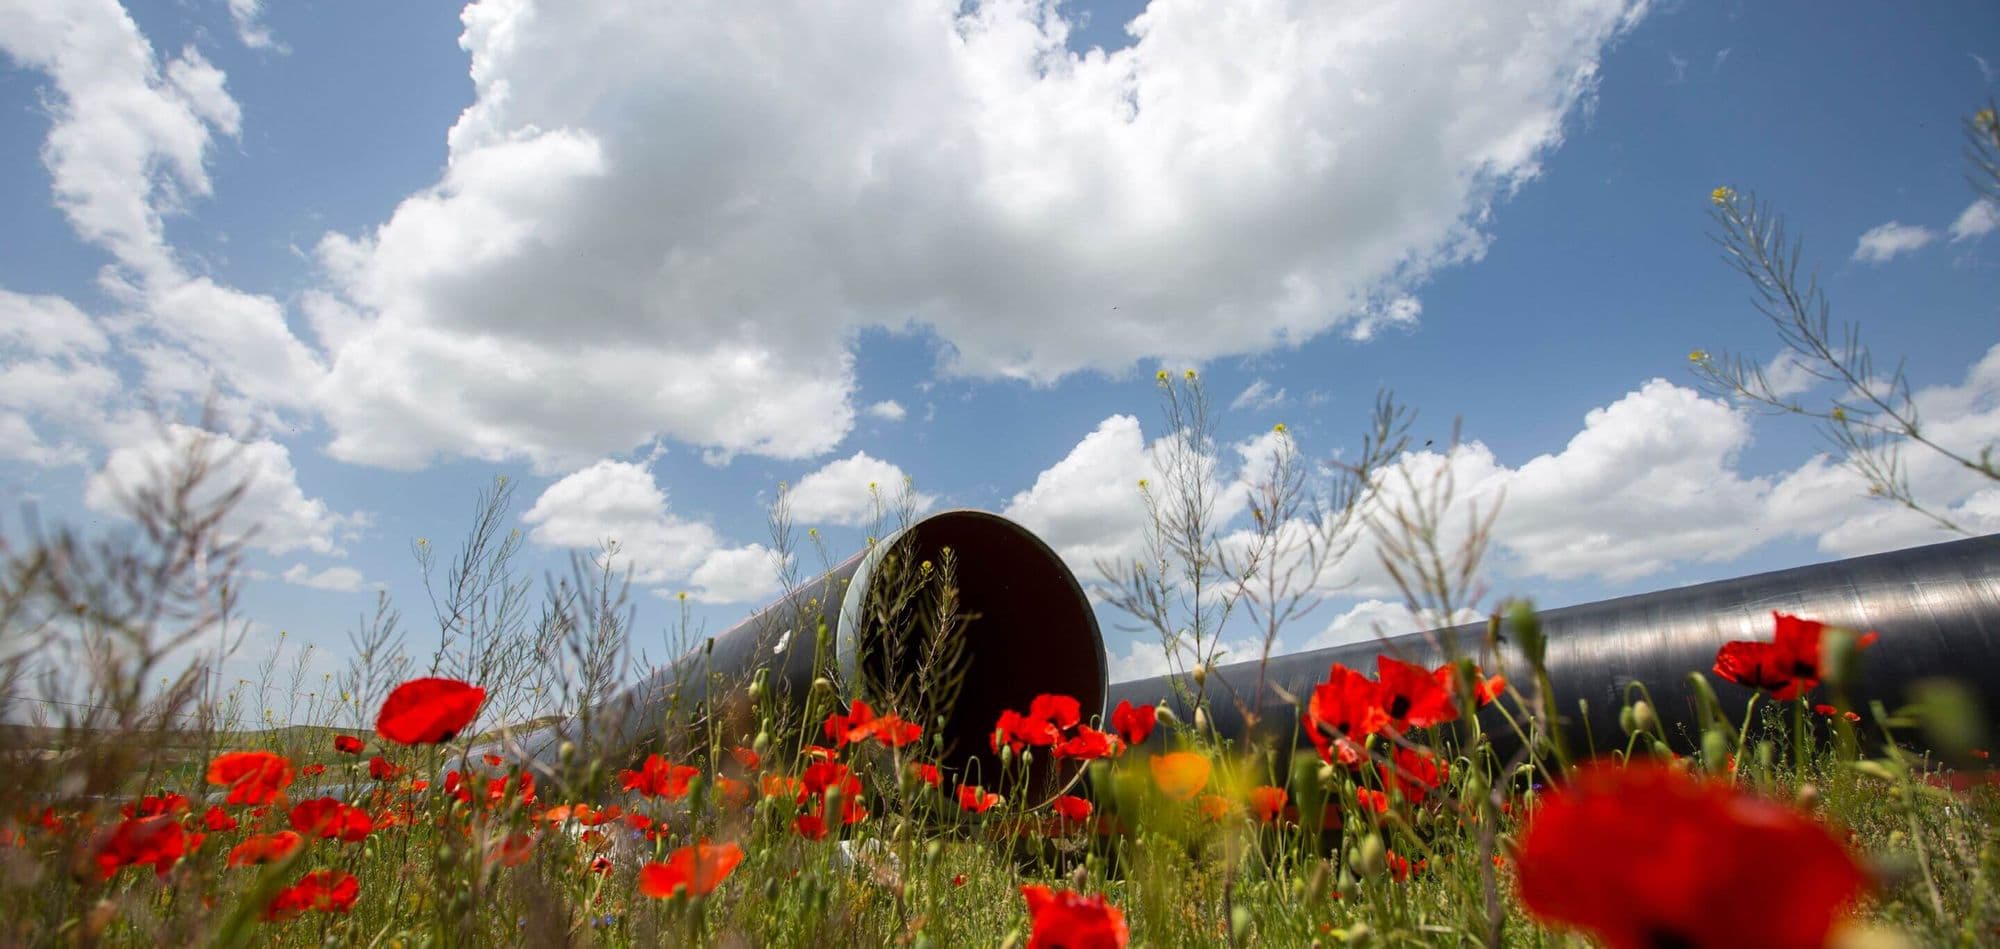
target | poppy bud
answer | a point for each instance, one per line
(1200, 677)
(1326, 776)
(1027, 757)
(761, 744)
(1808, 797)
(1201, 720)
(1627, 721)
(1164, 715)
(566, 751)
(1839, 653)
(1476, 788)
(1715, 749)
(1317, 885)
(1006, 755)
(1643, 716)
(1528, 631)
(1371, 857)
(823, 684)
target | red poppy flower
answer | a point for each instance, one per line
(1484, 688)
(781, 785)
(312, 770)
(976, 799)
(1371, 799)
(321, 890)
(154, 805)
(1071, 808)
(820, 776)
(1062, 919)
(496, 788)
(600, 864)
(380, 769)
(512, 850)
(892, 731)
(1343, 711)
(1061, 711)
(824, 778)
(658, 777)
(1268, 803)
(1133, 722)
(697, 868)
(428, 711)
(158, 840)
(1722, 867)
(731, 792)
(927, 773)
(347, 744)
(254, 777)
(1412, 695)
(851, 726)
(1788, 666)
(1018, 732)
(327, 817)
(1412, 773)
(1400, 867)
(1829, 711)
(264, 848)
(1181, 774)
(1215, 807)
(217, 819)
(746, 757)
(1088, 745)
(810, 826)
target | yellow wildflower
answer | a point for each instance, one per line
(1986, 119)
(1190, 375)
(1699, 355)
(1721, 197)
(1279, 428)
(1161, 377)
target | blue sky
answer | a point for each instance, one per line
(649, 264)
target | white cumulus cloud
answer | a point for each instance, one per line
(1980, 218)
(851, 491)
(274, 513)
(334, 579)
(1885, 242)
(671, 221)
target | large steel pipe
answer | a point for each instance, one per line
(1937, 609)
(1029, 630)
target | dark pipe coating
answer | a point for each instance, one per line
(1937, 608)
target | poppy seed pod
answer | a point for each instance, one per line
(1643, 717)
(1715, 750)
(1528, 631)
(1371, 857)
(1839, 655)
(1627, 722)
(1808, 797)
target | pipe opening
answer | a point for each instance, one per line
(1028, 629)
